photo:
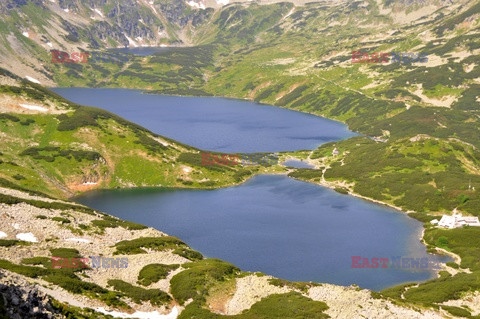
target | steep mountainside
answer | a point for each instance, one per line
(29, 29)
(418, 149)
(60, 148)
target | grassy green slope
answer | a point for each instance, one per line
(427, 160)
(81, 148)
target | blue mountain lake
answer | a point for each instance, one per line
(273, 224)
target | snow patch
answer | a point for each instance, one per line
(99, 12)
(140, 314)
(196, 5)
(34, 107)
(223, 2)
(25, 34)
(153, 8)
(16, 226)
(2, 234)
(27, 237)
(90, 183)
(66, 10)
(50, 44)
(131, 42)
(32, 79)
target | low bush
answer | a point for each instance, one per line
(196, 280)
(7, 184)
(44, 261)
(306, 173)
(188, 253)
(61, 220)
(291, 305)
(111, 222)
(444, 288)
(302, 286)
(12, 242)
(29, 271)
(65, 252)
(154, 272)
(458, 312)
(11, 200)
(18, 177)
(50, 153)
(138, 294)
(134, 246)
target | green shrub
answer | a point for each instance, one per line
(396, 291)
(138, 294)
(442, 242)
(188, 253)
(73, 284)
(134, 246)
(61, 220)
(453, 265)
(50, 153)
(27, 122)
(458, 312)
(302, 286)
(65, 252)
(196, 280)
(69, 311)
(10, 200)
(111, 222)
(9, 117)
(195, 159)
(154, 272)
(291, 305)
(44, 261)
(29, 271)
(306, 173)
(12, 242)
(462, 199)
(7, 184)
(444, 288)
(341, 190)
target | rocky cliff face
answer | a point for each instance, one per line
(31, 28)
(19, 299)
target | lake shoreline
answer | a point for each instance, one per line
(284, 171)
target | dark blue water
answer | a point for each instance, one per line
(274, 224)
(215, 124)
(279, 226)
